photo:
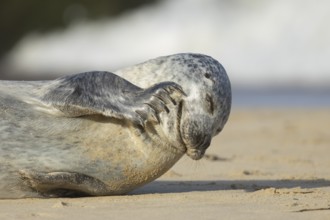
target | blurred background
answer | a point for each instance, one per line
(276, 52)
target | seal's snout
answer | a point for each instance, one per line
(198, 151)
(196, 137)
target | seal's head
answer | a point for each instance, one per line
(206, 108)
(203, 112)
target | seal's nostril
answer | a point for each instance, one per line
(205, 144)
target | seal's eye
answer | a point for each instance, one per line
(207, 75)
(210, 104)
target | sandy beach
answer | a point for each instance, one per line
(266, 164)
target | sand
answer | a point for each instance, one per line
(266, 164)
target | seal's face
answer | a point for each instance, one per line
(203, 112)
(206, 108)
(196, 135)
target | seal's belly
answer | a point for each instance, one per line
(34, 138)
(104, 148)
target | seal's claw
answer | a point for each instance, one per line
(176, 88)
(165, 99)
(153, 114)
(157, 99)
(148, 113)
(140, 118)
(164, 96)
(158, 104)
(169, 92)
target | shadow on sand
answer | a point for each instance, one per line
(247, 185)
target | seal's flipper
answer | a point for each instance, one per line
(90, 93)
(156, 99)
(110, 95)
(63, 184)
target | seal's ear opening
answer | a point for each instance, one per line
(207, 75)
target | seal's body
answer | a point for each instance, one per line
(100, 133)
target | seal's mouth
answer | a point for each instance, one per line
(198, 151)
(195, 154)
(180, 109)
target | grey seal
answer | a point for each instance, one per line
(103, 133)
